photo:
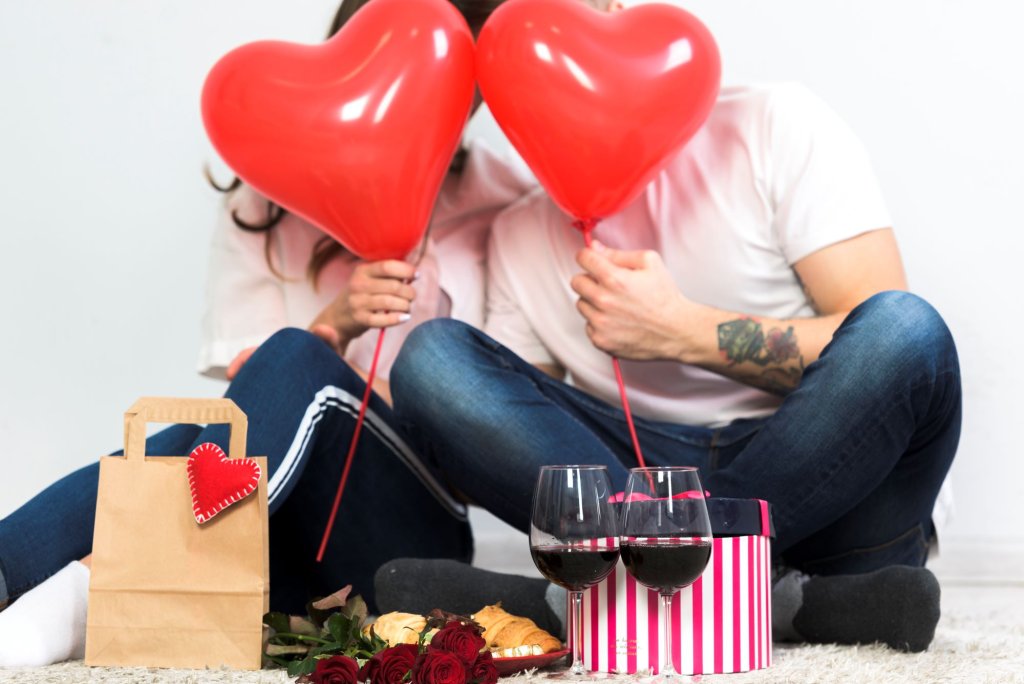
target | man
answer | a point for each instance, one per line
(755, 295)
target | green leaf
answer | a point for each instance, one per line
(332, 648)
(301, 667)
(344, 630)
(376, 643)
(355, 609)
(277, 622)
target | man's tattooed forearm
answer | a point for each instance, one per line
(782, 380)
(743, 339)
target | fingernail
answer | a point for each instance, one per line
(402, 318)
(416, 275)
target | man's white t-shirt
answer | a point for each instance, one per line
(246, 302)
(773, 176)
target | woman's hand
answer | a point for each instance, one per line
(239, 361)
(378, 295)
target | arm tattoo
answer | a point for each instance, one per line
(744, 340)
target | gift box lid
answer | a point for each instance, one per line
(737, 517)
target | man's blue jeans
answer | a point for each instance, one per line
(301, 401)
(851, 462)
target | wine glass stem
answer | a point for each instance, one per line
(668, 668)
(575, 620)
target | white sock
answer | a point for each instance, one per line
(47, 624)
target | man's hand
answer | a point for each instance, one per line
(377, 296)
(631, 304)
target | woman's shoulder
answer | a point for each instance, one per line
(248, 206)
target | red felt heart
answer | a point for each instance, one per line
(596, 102)
(217, 481)
(354, 135)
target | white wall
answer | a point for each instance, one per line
(935, 91)
(105, 240)
(106, 217)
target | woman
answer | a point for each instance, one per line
(290, 320)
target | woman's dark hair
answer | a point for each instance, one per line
(327, 249)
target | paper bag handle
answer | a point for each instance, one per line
(169, 410)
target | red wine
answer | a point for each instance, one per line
(574, 567)
(666, 566)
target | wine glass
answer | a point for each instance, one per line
(574, 538)
(666, 538)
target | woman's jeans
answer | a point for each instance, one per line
(301, 400)
(851, 462)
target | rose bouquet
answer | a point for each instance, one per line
(332, 648)
(453, 656)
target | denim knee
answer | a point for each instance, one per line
(292, 341)
(433, 378)
(295, 357)
(429, 356)
(287, 347)
(896, 335)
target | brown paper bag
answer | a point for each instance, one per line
(164, 590)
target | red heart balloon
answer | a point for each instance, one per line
(217, 481)
(354, 135)
(596, 102)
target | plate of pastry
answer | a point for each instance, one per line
(516, 642)
(511, 664)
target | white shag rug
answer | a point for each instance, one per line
(986, 648)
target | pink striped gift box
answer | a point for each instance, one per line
(720, 624)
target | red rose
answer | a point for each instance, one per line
(484, 671)
(390, 665)
(336, 670)
(461, 639)
(438, 667)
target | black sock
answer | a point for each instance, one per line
(418, 585)
(897, 605)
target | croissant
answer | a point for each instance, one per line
(503, 630)
(398, 628)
